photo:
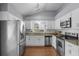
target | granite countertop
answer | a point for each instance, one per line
(40, 34)
(75, 42)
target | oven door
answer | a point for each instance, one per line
(60, 47)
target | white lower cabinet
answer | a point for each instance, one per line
(35, 41)
(27, 40)
(76, 50)
(54, 41)
(71, 49)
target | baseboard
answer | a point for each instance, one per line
(41, 46)
(35, 46)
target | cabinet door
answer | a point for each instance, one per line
(27, 40)
(68, 49)
(75, 50)
(36, 41)
(75, 19)
(57, 24)
(42, 25)
(28, 24)
(49, 25)
(41, 40)
(54, 41)
(33, 41)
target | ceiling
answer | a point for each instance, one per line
(31, 8)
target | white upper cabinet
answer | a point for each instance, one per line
(50, 25)
(39, 25)
(27, 24)
(57, 24)
(75, 19)
(42, 25)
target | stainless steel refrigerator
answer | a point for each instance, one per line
(9, 38)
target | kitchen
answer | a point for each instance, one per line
(28, 29)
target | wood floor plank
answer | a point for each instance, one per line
(40, 51)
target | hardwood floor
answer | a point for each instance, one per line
(40, 51)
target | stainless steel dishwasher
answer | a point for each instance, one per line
(48, 40)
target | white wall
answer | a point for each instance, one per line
(66, 9)
(6, 9)
(13, 11)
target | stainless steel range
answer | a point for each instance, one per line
(60, 43)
